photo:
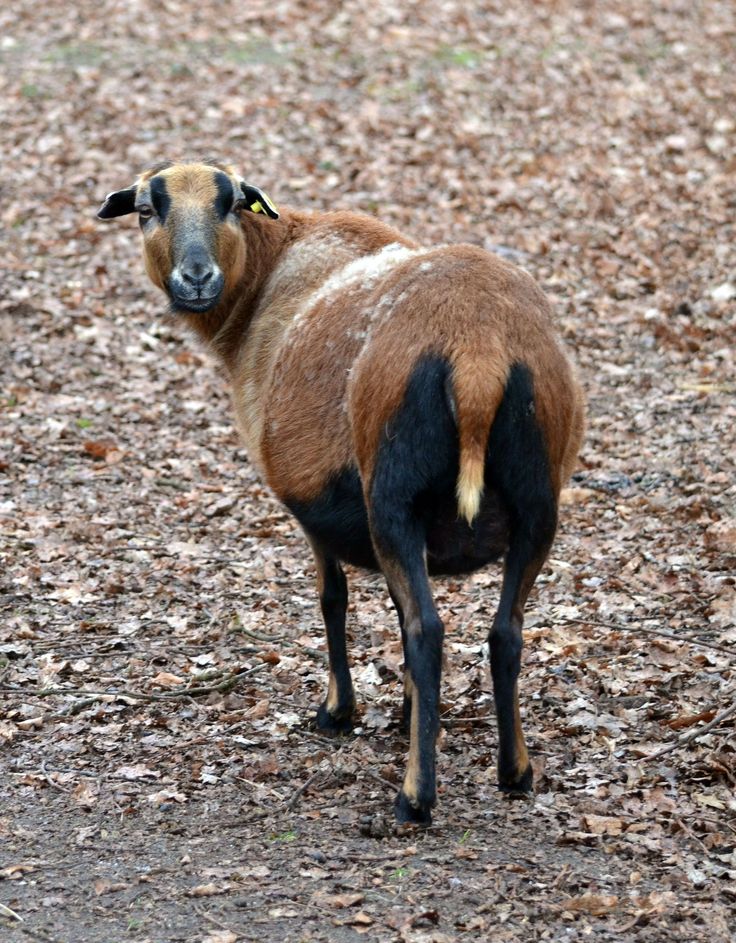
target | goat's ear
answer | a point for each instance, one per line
(119, 203)
(257, 201)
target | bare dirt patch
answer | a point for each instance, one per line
(160, 646)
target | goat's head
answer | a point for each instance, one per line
(193, 241)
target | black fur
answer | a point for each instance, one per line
(119, 203)
(338, 520)
(415, 472)
(518, 468)
(413, 508)
(334, 604)
(225, 194)
(160, 198)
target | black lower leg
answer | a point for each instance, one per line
(519, 470)
(335, 714)
(424, 637)
(505, 643)
(408, 683)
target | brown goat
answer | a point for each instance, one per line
(411, 406)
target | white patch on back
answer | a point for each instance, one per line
(303, 257)
(362, 273)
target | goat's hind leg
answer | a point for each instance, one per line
(519, 470)
(416, 460)
(335, 714)
(408, 683)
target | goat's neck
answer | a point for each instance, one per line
(222, 330)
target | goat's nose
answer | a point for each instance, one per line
(197, 275)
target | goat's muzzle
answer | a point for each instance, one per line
(195, 285)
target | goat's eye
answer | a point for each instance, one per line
(145, 211)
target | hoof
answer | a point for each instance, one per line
(408, 814)
(519, 788)
(331, 724)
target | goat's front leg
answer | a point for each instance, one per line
(335, 714)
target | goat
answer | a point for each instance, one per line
(412, 407)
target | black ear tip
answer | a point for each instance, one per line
(119, 203)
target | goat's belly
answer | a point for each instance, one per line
(454, 547)
(337, 519)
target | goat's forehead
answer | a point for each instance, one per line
(192, 183)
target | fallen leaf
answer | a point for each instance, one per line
(340, 900)
(164, 679)
(103, 886)
(220, 936)
(205, 890)
(595, 904)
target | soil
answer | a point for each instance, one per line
(161, 650)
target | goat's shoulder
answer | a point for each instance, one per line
(365, 234)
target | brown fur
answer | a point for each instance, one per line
(293, 382)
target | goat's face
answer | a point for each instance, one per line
(193, 242)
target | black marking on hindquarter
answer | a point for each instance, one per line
(160, 198)
(424, 465)
(338, 520)
(225, 194)
(517, 465)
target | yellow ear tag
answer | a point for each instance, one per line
(257, 207)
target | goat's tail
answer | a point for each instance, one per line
(478, 387)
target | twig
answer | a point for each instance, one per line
(305, 785)
(694, 734)
(49, 780)
(284, 639)
(685, 639)
(225, 685)
(380, 779)
(7, 912)
(261, 637)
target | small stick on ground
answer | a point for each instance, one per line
(7, 912)
(661, 633)
(227, 684)
(694, 734)
(305, 785)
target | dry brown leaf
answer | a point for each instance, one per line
(340, 900)
(595, 904)
(100, 449)
(603, 824)
(103, 886)
(220, 936)
(164, 679)
(206, 890)
(13, 872)
(86, 794)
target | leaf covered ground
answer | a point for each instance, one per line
(161, 651)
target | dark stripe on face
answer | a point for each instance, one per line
(225, 197)
(160, 198)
